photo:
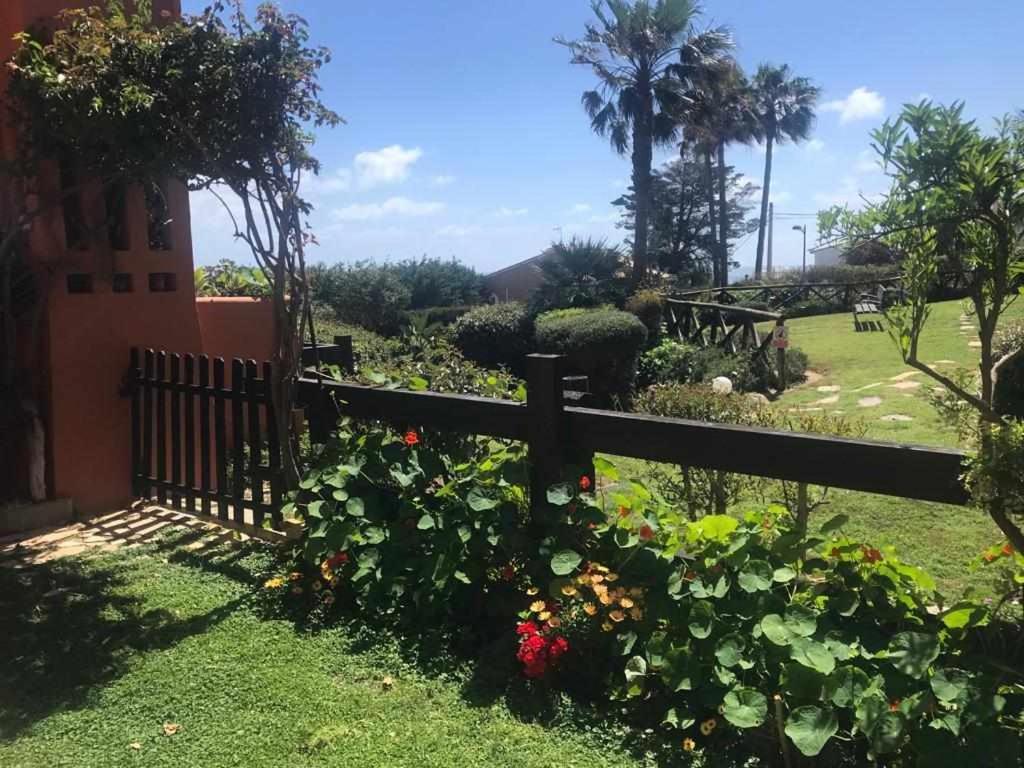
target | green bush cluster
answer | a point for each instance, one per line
(648, 305)
(229, 278)
(496, 335)
(723, 634)
(602, 344)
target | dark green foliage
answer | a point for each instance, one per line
(495, 335)
(648, 306)
(603, 344)
(1009, 394)
(674, 363)
(834, 273)
(580, 273)
(435, 317)
(227, 278)
(669, 362)
(435, 282)
(365, 293)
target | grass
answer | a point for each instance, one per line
(101, 652)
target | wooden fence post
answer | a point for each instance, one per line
(546, 424)
(346, 358)
(780, 358)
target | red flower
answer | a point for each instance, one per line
(411, 438)
(338, 558)
(585, 483)
(894, 705)
(835, 552)
(646, 533)
(508, 573)
(559, 646)
(526, 628)
(623, 511)
(988, 557)
(1007, 549)
(871, 555)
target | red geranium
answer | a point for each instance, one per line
(537, 650)
(338, 558)
(646, 533)
(585, 483)
(411, 438)
(871, 555)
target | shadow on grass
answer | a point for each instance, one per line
(70, 626)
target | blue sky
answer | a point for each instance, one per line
(466, 138)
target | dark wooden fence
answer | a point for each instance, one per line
(203, 443)
(206, 444)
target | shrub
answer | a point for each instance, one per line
(435, 318)
(603, 345)
(366, 294)
(434, 282)
(580, 273)
(495, 335)
(1009, 395)
(648, 306)
(228, 278)
(668, 363)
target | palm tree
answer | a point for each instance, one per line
(634, 49)
(784, 106)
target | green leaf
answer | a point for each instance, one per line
(636, 668)
(776, 630)
(813, 655)
(745, 707)
(425, 523)
(605, 468)
(802, 621)
(887, 733)
(565, 562)
(355, 507)
(729, 650)
(783, 575)
(810, 727)
(465, 533)
(561, 494)
(480, 502)
(313, 509)
(374, 535)
(418, 383)
(701, 620)
(675, 719)
(913, 652)
(703, 591)
(339, 494)
(848, 685)
(835, 523)
(965, 614)
(310, 482)
(460, 576)
(756, 576)
(950, 685)
(717, 527)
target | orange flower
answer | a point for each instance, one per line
(894, 705)
(569, 590)
(689, 745)
(626, 602)
(623, 511)
(589, 608)
(411, 438)
(585, 483)
(646, 533)
(1007, 549)
(605, 599)
(988, 557)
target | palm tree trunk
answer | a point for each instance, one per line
(765, 195)
(642, 159)
(723, 216)
(709, 183)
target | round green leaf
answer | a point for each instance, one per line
(560, 494)
(565, 562)
(950, 685)
(813, 655)
(729, 651)
(426, 522)
(745, 707)
(801, 621)
(480, 502)
(835, 523)
(848, 685)
(702, 618)
(810, 728)
(756, 576)
(887, 733)
(783, 575)
(355, 507)
(913, 652)
(776, 629)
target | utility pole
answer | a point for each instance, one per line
(771, 230)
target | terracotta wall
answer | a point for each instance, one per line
(235, 327)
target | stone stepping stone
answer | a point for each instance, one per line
(897, 417)
(905, 385)
(974, 344)
(869, 402)
(830, 388)
(827, 400)
(905, 375)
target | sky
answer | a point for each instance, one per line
(465, 136)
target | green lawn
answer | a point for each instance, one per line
(99, 653)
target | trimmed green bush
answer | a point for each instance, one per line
(673, 363)
(1010, 384)
(602, 344)
(668, 363)
(495, 335)
(648, 306)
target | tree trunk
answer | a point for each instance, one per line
(709, 183)
(642, 159)
(765, 195)
(723, 217)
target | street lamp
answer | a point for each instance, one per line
(803, 228)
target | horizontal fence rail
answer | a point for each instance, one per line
(557, 433)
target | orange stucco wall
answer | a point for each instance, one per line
(237, 327)
(88, 336)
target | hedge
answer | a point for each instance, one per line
(495, 335)
(602, 344)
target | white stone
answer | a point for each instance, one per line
(721, 385)
(869, 402)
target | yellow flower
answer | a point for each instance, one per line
(607, 626)
(600, 568)
(544, 615)
(537, 606)
(689, 745)
(596, 578)
(625, 602)
(589, 608)
(568, 590)
(583, 579)
(600, 589)
(275, 583)
(708, 726)
(317, 585)
(554, 621)
(605, 599)
(327, 574)
(617, 616)
(611, 577)
(636, 614)
(636, 592)
(532, 591)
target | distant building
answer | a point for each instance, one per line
(828, 255)
(516, 282)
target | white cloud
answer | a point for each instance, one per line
(339, 181)
(385, 166)
(454, 230)
(780, 196)
(393, 206)
(861, 104)
(815, 145)
(580, 208)
(508, 213)
(601, 219)
(443, 180)
(867, 162)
